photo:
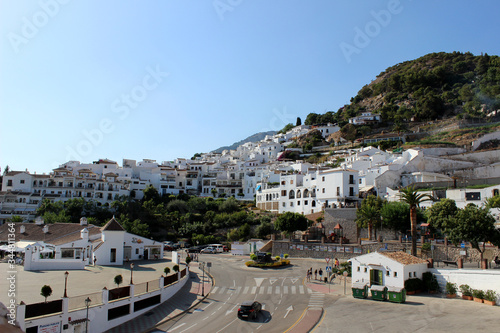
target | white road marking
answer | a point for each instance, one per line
(173, 329)
(269, 290)
(277, 291)
(258, 281)
(222, 329)
(261, 291)
(272, 280)
(246, 289)
(190, 327)
(301, 289)
(254, 290)
(290, 308)
(294, 290)
(285, 289)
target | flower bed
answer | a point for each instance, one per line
(280, 263)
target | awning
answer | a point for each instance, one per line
(366, 188)
(424, 225)
(258, 187)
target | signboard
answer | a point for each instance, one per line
(463, 253)
(462, 245)
(50, 328)
(327, 260)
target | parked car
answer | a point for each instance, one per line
(194, 249)
(225, 248)
(167, 248)
(249, 309)
(209, 249)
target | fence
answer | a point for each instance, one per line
(145, 287)
(43, 308)
(78, 302)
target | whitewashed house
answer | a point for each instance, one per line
(390, 269)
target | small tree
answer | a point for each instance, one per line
(290, 222)
(176, 268)
(118, 280)
(188, 260)
(167, 270)
(46, 291)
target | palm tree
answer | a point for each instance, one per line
(413, 199)
(367, 217)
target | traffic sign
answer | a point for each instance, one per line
(462, 245)
(327, 260)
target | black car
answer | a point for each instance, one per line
(249, 309)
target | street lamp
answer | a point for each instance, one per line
(131, 272)
(65, 283)
(202, 264)
(87, 304)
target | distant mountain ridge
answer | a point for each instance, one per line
(252, 138)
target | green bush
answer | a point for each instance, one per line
(413, 284)
(490, 295)
(477, 293)
(253, 256)
(451, 288)
(426, 247)
(466, 290)
(430, 282)
(167, 270)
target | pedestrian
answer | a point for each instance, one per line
(307, 276)
(336, 263)
(320, 274)
(95, 261)
(316, 274)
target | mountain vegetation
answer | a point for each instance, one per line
(252, 138)
(435, 86)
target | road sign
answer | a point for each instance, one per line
(209, 264)
(327, 260)
(462, 245)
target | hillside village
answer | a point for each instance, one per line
(258, 170)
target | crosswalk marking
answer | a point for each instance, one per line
(269, 290)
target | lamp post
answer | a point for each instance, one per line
(131, 272)
(87, 304)
(345, 279)
(65, 283)
(202, 264)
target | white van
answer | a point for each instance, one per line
(218, 247)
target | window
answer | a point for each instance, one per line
(366, 269)
(9, 182)
(387, 273)
(351, 179)
(283, 182)
(284, 204)
(323, 178)
(291, 181)
(351, 191)
(338, 191)
(306, 202)
(414, 274)
(409, 274)
(298, 203)
(359, 268)
(283, 193)
(395, 274)
(291, 204)
(21, 181)
(323, 190)
(67, 253)
(313, 203)
(360, 181)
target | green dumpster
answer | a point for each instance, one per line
(396, 294)
(379, 293)
(359, 290)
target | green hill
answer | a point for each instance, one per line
(435, 86)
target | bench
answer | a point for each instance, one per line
(449, 262)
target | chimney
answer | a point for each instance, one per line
(45, 229)
(84, 234)
(39, 220)
(83, 221)
(22, 229)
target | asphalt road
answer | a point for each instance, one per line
(281, 292)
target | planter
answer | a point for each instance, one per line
(451, 295)
(489, 302)
(468, 298)
(479, 300)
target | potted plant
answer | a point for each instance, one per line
(451, 290)
(478, 295)
(466, 292)
(490, 297)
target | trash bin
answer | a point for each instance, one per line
(359, 290)
(379, 293)
(396, 294)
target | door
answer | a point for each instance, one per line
(376, 277)
(112, 257)
(146, 254)
(127, 252)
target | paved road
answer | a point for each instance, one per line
(281, 292)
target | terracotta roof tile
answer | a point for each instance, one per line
(404, 258)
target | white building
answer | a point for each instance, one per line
(390, 269)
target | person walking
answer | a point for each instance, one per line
(307, 276)
(320, 274)
(316, 274)
(337, 263)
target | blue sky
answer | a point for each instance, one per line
(163, 79)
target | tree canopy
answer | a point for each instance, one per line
(290, 222)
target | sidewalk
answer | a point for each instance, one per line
(312, 316)
(187, 297)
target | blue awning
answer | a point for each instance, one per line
(258, 187)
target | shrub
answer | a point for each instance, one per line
(46, 291)
(490, 295)
(413, 284)
(253, 256)
(476, 293)
(466, 290)
(176, 268)
(167, 270)
(451, 288)
(188, 260)
(118, 280)
(426, 247)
